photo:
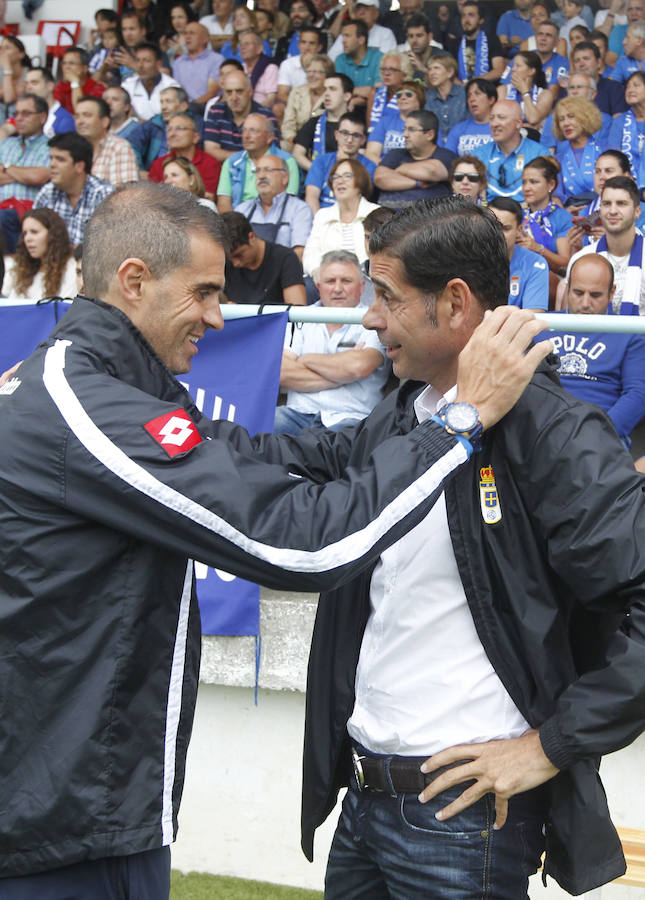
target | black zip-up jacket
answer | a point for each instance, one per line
(547, 585)
(99, 626)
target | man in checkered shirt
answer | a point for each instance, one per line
(72, 191)
(24, 165)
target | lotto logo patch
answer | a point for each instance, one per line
(175, 431)
(488, 496)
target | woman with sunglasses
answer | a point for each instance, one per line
(575, 122)
(306, 100)
(388, 133)
(395, 68)
(468, 179)
(340, 227)
(546, 224)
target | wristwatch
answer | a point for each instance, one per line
(462, 420)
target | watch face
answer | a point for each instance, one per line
(461, 417)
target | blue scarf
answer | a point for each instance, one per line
(320, 143)
(294, 44)
(629, 146)
(577, 179)
(481, 57)
(630, 301)
(379, 104)
(540, 225)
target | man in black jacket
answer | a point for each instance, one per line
(478, 671)
(111, 483)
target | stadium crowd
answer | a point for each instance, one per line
(298, 119)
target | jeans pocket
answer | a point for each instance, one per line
(471, 824)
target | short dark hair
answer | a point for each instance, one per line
(345, 80)
(418, 20)
(45, 72)
(587, 45)
(40, 104)
(233, 64)
(449, 237)
(78, 147)
(154, 222)
(621, 158)
(597, 36)
(99, 102)
(361, 27)
(153, 48)
(426, 119)
(83, 56)
(237, 228)
(124, 93)
(623, 183)
(310, 29)
(182, 96)
(551, 24)
(376, 218)
(355, 117)
(472, 3)
(508, 204)
(108, 15)
(485, 86)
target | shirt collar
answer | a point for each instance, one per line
(430, 400)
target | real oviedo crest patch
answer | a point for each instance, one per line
(488, 496)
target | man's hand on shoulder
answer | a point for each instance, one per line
(504, 768)
(495, 367)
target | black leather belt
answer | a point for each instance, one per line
(394, 774)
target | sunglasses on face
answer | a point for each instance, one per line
(459, 176)
(400, 94)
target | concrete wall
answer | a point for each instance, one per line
(240, 814)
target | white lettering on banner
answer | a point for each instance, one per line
(571, 343)
(200, 399)
(201, 571)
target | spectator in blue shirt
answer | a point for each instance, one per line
(554, 65)
(481, 96)
(627, 131)
(601, 367)
(445, 98)
(350, 138)
(388, 134)
(358, 61)
(633, 59)
(514, 26)
(580, 85)
(529, 286)
(575, 122)
(420, 170)
(507, 154)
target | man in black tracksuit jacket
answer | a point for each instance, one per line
(110, 480)
(547, 581)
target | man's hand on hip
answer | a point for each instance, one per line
(504, 768)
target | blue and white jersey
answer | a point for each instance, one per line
(529, 287)
(464, 137)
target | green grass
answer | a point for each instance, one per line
(195, 886)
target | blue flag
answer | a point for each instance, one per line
(22, 328)
(235, 376)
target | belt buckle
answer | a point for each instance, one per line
(359, 775)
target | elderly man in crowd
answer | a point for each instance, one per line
(334, 373)
(274, 214)
(76, 82)
(237, 181)
(24, 162)
(149, 141)
(261, 71)
(182, 135)
(224, 120)
(197, 70)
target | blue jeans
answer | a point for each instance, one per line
(141, 876)
(290, 421)
(393, 848)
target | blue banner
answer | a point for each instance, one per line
(235, 376)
